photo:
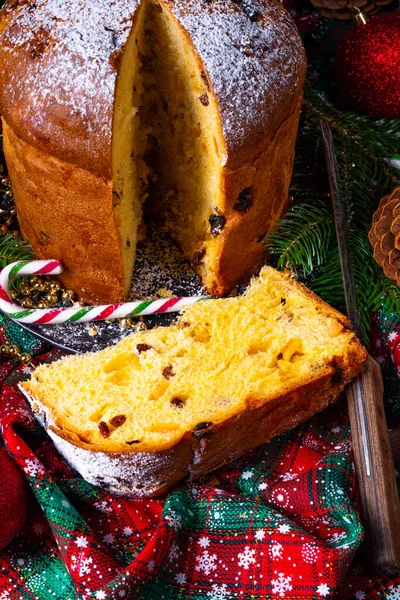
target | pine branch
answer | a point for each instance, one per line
(379, 138)
(305, 239)
(11, 250)
(385, 294)
(328, 282)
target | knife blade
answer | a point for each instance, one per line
(375, 472)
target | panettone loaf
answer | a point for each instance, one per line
(188, 106)
(185, 399)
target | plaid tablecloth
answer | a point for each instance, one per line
(282, 522)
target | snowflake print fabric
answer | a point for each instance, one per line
(282, 522)
(393, 593)
(281, 585)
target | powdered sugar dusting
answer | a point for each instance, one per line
(68, 50)
(65, 50)
(255, 67)
(161, 265)
(124, 474)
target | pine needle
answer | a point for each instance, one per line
(305, 240)
(11, 250)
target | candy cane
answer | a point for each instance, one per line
(78, 314)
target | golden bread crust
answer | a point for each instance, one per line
(66, 214)
(267, 177)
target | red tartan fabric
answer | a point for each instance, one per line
(282, 522)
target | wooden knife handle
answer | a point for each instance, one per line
(375, 470)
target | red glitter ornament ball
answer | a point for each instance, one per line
(13, 499)
(367, 67)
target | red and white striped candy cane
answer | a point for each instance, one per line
(77, 314)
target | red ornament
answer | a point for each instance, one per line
(13, 499)
(367, 67)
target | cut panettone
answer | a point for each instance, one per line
(187, 109)
(228, 376)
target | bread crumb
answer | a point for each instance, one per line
(164, 293)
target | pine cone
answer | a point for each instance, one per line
(342, 9)
(384, 235)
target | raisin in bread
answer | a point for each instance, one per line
(186, 107)
(185, 399)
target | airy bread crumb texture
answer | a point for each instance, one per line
(221, 358)
(168, 145)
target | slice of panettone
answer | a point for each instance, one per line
(185, 399)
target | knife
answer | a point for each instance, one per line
(373, 458)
